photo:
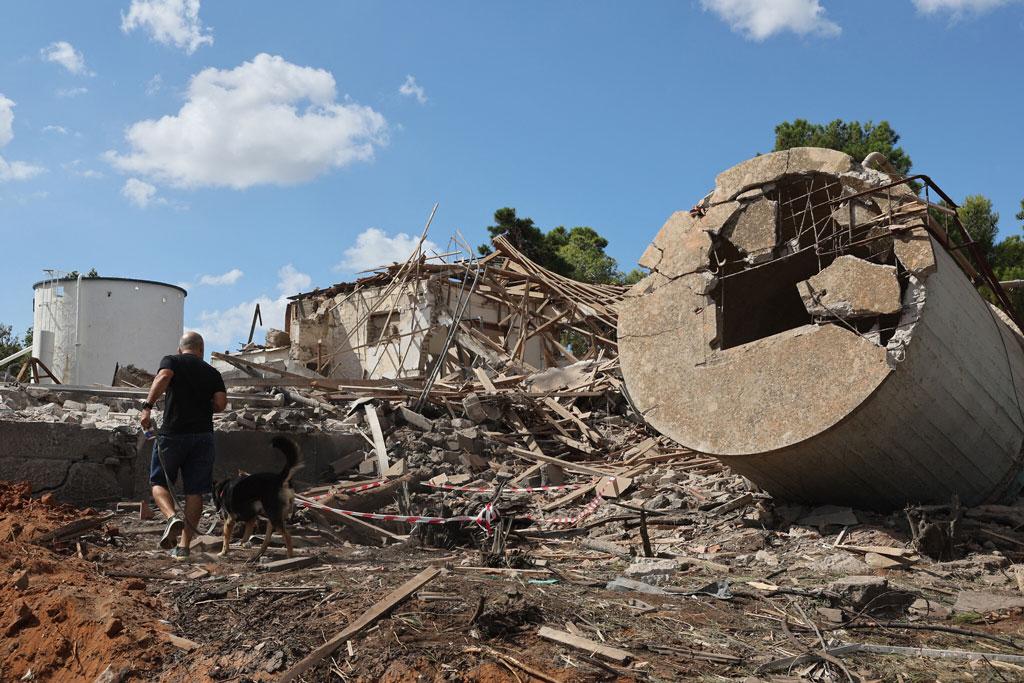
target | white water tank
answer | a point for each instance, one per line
(84, 327)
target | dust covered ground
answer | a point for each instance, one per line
(773, 598)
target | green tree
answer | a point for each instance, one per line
(980, 221)
(9, 343)
(578, 253)
(1020, 214)
(524, 236)
(92, 273)
(852, 137)
(582, 251)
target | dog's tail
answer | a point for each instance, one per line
(291, 454)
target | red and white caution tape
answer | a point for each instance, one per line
(352, 489)
(575, 519)
(485, 518)
(528, 489)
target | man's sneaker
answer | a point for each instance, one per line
(180, 554)
(175, 525)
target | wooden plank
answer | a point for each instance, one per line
(289, 563)
(485, 381)
(72, 529)
(415, 419)
(612, 654)
(564, 412)
(378, 439)
(367, 618)
(564, 464)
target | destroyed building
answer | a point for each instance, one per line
(420, 317)
(499, 500)
(811, 324)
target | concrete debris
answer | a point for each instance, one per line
(852, 362)
(505, 464)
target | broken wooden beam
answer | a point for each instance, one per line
(612, 654)
(390, 601)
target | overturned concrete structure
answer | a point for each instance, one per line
(806, 324)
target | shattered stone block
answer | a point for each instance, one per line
(852, 287)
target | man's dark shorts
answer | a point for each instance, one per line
(191, 454)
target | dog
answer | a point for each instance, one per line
(264, 494)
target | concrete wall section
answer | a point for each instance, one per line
(851, 361)
(93, 466)
(947, 420)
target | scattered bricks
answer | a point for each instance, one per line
(461, 423)
(472, 461)
(871, 594)
(134, 585)
(469, 440)
(20, 580)
(552, 475)
(474, 409)
(434, 439)
(652, 570)
(397, 469)
(368, 466)
(97, 409)
(50, 409)
(47, 499)
(113, 627)
(74, 405)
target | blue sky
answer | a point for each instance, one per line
(256, 149)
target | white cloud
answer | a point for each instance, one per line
(170, 22)
(12, 170)
(71, 92)
(413, 89)
(221, 328)
(139, 193)
(65, 54)
(55, 129)
(291, 281)
(375, 248)
(958, 7)
(761, 19)
(264, 122)
(75, 168)
(154, 84)
(228, 278)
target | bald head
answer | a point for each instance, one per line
(191, 342)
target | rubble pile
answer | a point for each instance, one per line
(500, 522)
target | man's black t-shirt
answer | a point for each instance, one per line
(187, 406)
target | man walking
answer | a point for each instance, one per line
(195, 391)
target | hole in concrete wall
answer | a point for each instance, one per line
(761, 301)
(805, 212)
(758, 301)
(381, 327)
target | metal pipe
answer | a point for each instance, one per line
(78, 320)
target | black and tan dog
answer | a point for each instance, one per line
(264, 494)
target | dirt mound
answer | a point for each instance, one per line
(22, 516)
(59, 618)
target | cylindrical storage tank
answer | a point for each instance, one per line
(804, 326)
(85, 327)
